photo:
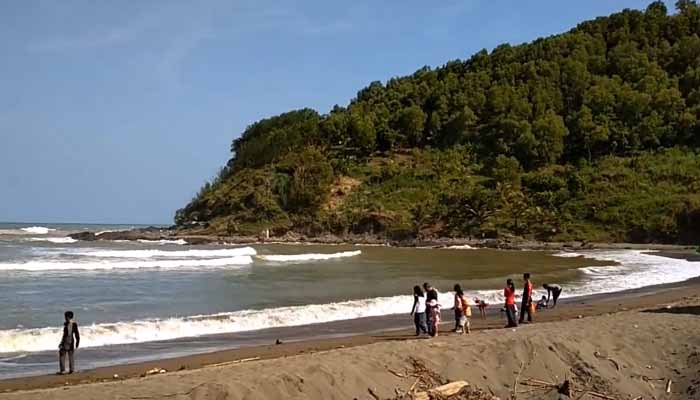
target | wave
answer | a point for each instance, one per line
(308, 256)
(41, 339)
(162, 241)
(59, 240)
(460, 247)
(92, 266)
(216, 253)
(634, 269)
(37, 230)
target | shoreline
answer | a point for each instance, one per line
(194, 237)
(568, 309)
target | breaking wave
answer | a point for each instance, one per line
(163, 241)
(37, 230)
(58, 240)
(41, 339)
(117, 265)
(635, 269)
(308, 256)
(216, 253)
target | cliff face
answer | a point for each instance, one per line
(592, 134)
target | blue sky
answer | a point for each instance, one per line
(118, 111)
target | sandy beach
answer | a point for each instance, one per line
(622, 345)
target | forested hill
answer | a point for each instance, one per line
(591, 134)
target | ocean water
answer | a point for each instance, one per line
(149, 299)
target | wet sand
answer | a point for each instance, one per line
(599, 314)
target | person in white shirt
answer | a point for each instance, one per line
(418, 311)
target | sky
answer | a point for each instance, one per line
(118, 111)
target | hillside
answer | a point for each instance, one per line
(591, 135)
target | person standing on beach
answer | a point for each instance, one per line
(418, 310)
(69, 342)
(527, 299)
(458, 308)
(554, 291)
(482, 307)
(430, 294)
(509, 294)
(434, 311)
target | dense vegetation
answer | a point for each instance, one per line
(592, 134)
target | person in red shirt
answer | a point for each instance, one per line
(527, 299)
(509, 294)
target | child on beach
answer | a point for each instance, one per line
(465, 320)
(430, 294)
(482, 307)
(434, 310)
(69, 342)
(510, 307)
(542, 303)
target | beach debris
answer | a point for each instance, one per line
(371, 393)
(242, 360)
(187, 393)
(446, 390)
(598, 355)
(514, 395)
(668, 386)
(115, 376)
(278, 342)
(154, 371)
(398, 374)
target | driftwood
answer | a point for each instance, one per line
(447, 390)
(600, 395)
(187, 393)
(668, 386)
(514, 395)
(371, 393)
(397, 374)
(234, 362)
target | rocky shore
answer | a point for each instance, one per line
(197, 237)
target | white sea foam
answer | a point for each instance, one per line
(116, 265)
(37, 230)
(31, 340)
(636, 269)
(163, 241)
(60, 240)
(308, 256)
(460, 247)
(199, 253)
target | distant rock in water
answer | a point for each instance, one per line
(150, 233)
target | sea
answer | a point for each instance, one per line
(145, 300)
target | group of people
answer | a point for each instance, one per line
(426, 307)
(426, 310)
